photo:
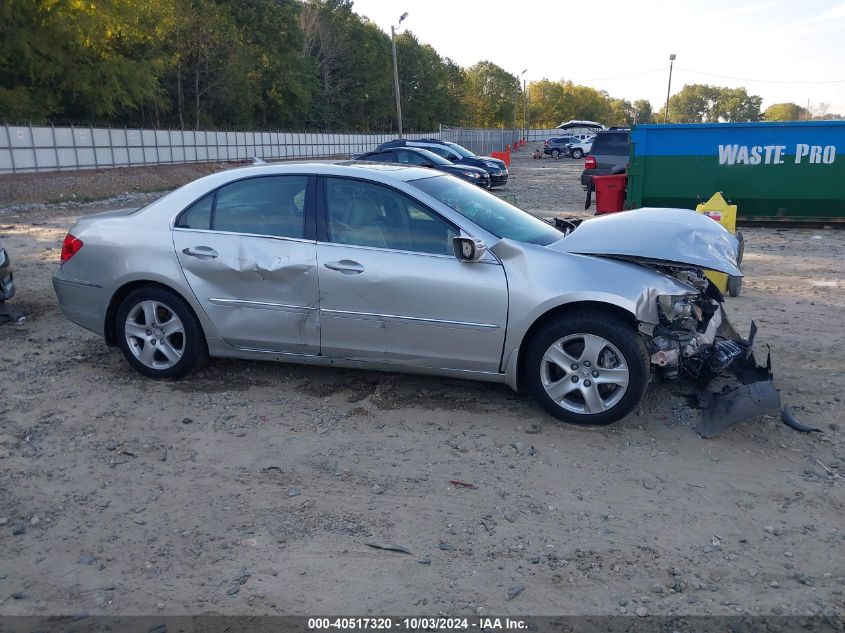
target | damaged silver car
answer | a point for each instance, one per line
(400, 268)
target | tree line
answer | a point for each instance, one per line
(286, 64)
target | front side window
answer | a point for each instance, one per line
(488, 211)
(367, 214)
(269, 205)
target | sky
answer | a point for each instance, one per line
(782, 50)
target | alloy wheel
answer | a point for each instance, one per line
(584, 373)
(155, 334)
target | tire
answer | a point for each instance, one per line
(555, 153)
(734, 286)
(173, 348)
(577, 153)
(566, 339)
(741, 250)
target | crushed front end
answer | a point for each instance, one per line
(694, 340)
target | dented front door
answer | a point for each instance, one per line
(259, 290)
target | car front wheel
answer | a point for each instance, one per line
(577, 153)
(159, 334)
(590, 368)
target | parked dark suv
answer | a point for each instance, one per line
(457, 154)
(609, 154)
(556, 145)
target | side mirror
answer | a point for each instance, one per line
(468, 249)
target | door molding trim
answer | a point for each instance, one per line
(370, 316)
(258, 305)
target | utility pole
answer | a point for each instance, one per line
(669, 89)
(522, 74)
(396, 73)
(524, 109)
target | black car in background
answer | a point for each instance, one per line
(608, 155)
(458, 155)
(556, 145)
(424, 158)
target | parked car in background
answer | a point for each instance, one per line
(401, 268)
(609, 154)
(7, 282)
(457, 154)
(556, 145)
(579, 148)
(425, 158)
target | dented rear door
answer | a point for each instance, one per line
(249, 254)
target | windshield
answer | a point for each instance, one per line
(487, 211)
(463, 151)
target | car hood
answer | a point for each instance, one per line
(490, 159)
(657, 236)
(462, 168)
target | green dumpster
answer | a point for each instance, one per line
(772, 171)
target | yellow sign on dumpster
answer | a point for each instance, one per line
(719, 210)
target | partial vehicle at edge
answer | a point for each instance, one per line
(7, 281)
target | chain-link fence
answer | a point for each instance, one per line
(33, 148)
(29, 148)
(486, 140)
(480, 140)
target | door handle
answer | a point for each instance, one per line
(345, 267)
(200, 252)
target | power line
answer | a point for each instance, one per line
(645, 72)
(763, 81)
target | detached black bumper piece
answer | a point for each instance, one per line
(7, 282)
(757, 396)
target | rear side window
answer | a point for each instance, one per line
(381, 157)
(404, 156)
(271, 205)
(611, 143)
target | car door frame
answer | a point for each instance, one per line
(309, 236)
(460, 222)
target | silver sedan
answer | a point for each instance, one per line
(401, 268)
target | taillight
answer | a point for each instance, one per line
(70, 247)
(590, 163)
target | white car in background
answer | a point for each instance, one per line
(577, 150)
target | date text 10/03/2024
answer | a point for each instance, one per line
(418, 623)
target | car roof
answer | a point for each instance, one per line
(438, 160)
(386, 173)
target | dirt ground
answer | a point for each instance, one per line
(255, 487)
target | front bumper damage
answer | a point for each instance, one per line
(714, 348)
(754, 397)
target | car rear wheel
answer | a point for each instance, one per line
(577, 153)
(159, 334)
(590, 368)
(556, 153)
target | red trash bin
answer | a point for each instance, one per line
(610, 193)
